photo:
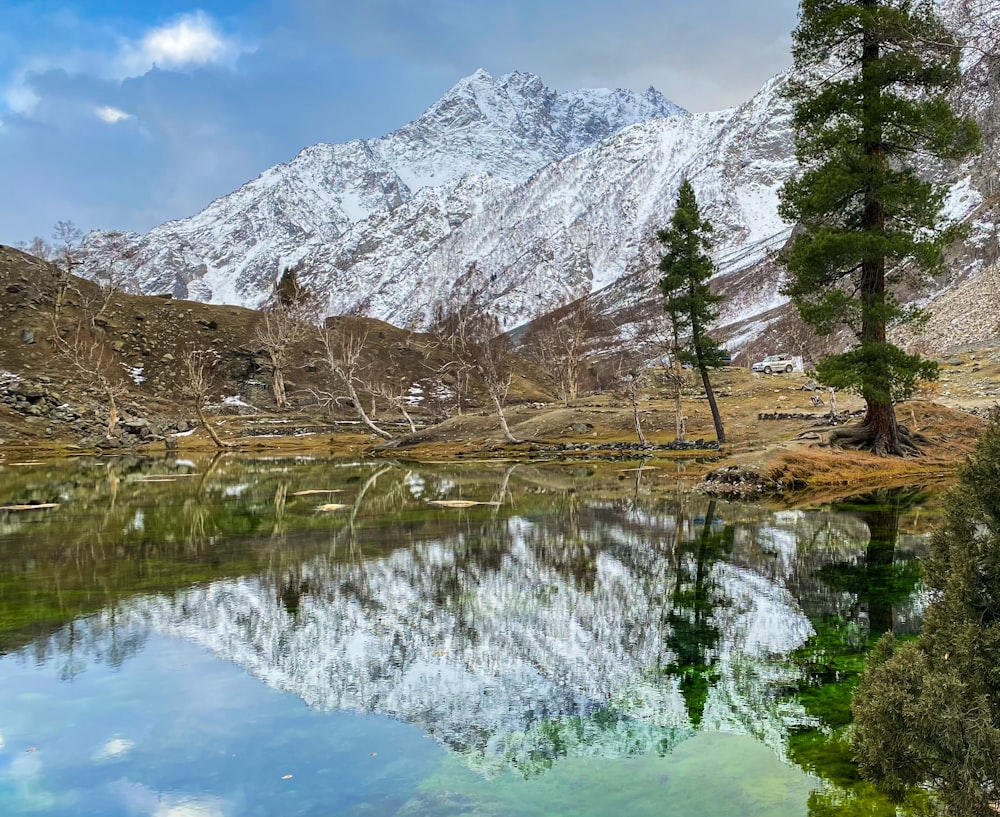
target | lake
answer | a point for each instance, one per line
(276, 636)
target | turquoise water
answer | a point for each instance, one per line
(222, 648)
(181, 734)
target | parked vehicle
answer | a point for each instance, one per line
(774, 363)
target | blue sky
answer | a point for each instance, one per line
(122, 114)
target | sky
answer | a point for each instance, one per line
(122, 114)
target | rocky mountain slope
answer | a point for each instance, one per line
(534, 198)
(484, 135)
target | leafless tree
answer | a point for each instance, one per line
(473, 343)
(199, 366)
(396, 394)
(343, 346)
(630, 379)
(662, 340)
(38, 247)
(110, 277)
(67, 256)
(286, 320)
(563, 340)
(90, 359)
(449, 330)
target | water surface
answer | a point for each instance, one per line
(204, 639)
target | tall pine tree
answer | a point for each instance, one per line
(870, 102)
(688, 301)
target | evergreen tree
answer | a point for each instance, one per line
(870, 98)
(688, 301)
(928, 712)
(693, 636)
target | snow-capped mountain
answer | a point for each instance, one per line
(537, 197)
(484, 136)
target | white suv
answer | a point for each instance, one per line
(774, 363)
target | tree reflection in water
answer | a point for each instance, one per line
(693, 634)
(560, 620)
(879, 583)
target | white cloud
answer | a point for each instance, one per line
(18, 97)
(116, 747)
(189, 807)
(187, 41)
(111, 115)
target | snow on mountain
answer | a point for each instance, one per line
(485, 133)
(535, 198)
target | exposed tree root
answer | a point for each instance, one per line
(864, 437)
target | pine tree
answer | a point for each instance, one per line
(928, 712)
(870, 101)
(688, 301)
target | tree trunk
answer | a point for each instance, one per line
(407, 417)
(679, 429)
(633, 394)
(112, 416)
(219, 442)
(503, 418)
(880, 421)
(362, 414)
(278, 385)
(720, 432)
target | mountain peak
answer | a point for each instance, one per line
(486, 133)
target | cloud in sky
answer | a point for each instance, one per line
(122, 115)
(191, 39)
(111, 115)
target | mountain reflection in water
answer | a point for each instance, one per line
(562, 620)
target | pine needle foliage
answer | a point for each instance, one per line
(688, 300)
(870, 106)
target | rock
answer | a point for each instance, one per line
(32, 392)
(28, 335)
(167, 358)
(136, 426)
(581, 428)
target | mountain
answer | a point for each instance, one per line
(485, 135)
(535, 198)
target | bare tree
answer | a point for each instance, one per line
(396, 394)
(67, 255)
(199, 366)
(38, 247)
(473, 342)
(662, 340)
(630, 378)
(110, 277)
(286, 320)
(563, 340)
(492, 357)
(91, 360)
(343, 346)
(449, 331)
